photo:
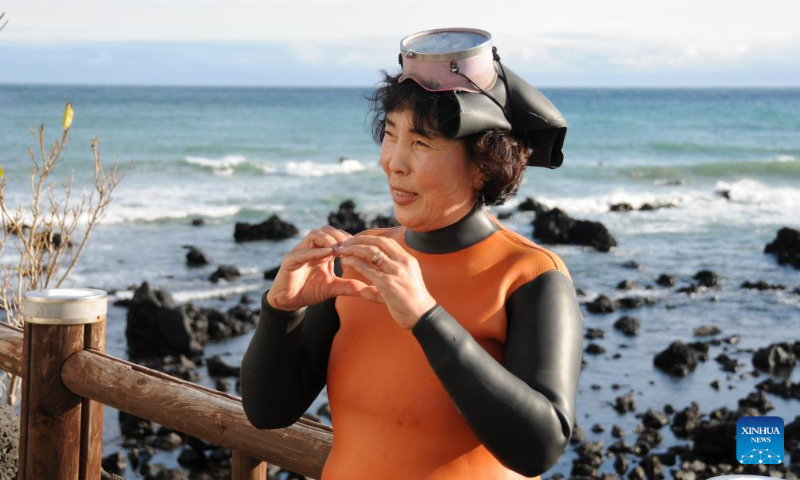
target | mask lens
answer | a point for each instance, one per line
(445, 42)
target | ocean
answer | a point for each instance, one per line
(229, 155)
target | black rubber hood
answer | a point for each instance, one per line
(528, 113)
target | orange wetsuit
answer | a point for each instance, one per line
(482, 388)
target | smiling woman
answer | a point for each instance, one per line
(451, 345)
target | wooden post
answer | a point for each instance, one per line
(61, 432)
(245, 467)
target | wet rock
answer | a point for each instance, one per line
(665, 280)
(225, 272)
(597, 428)
(601, 304)
(167, 441)
(628, 285)
(347, 218)
(324, 410)
(653, 468)
(382, 221)
(757, 400)
(654, 419)
(726, 194)
(775, 357)
(590, 458)
(271, 273)
(621, 207)
(191, 458)
(628, 326)
(115, 463)
(678, 359)
(219, 368)
(621, 464)
(594, 349)
(594, 333)
(272, 228)
(194, 257)
(155, 326)
(706, 331)
(715, 440)
(557, 227)
(531, 205)
(647, 207)
(783, 388)
(728, 364)
(223, 325)
(624, 403)
(135, 427)
(220, 455)
(197, 222)
(578, 435)
(104, 475)
(706, 278)
(505, 215)
(176, 365)
(171, 474)
(632, 265)
(762, 285)
(716, 384)
(786, 247)
(222, 385)
(629, 303)
(617, 431)
(650, 437)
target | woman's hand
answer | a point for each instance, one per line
(395, 275)
(306, 274)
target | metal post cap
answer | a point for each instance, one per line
(64, 306)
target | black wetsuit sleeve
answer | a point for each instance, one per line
(285, 365)
(523, 410)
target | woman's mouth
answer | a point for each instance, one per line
(401, 197)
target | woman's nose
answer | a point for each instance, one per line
(397, 161)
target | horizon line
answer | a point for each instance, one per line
(365, 87)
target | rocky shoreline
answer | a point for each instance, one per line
(171, 338)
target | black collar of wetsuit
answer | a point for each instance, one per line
(471, 229)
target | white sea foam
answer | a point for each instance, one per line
(218, 292)
(313, 169)
(786, 158)
(228, 165)
(224, 166)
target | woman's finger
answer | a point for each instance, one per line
(388, 245)
(365, 252)
(309, 255)
(367, 269)
(339, 235)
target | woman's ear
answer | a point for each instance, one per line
(478, 178)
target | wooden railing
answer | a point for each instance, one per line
(67, 378)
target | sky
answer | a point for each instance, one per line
(581, 43)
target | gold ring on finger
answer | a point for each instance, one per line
(377, 259)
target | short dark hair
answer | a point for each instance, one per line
(499, 155)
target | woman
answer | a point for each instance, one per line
(450, 345)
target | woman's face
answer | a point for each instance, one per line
(432, 182)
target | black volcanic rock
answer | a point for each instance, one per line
(272, 228)
(621, 207)
(628, 326)
(665, 280)
(556, 226)
(707, 278)
(155, 326)
(531, 205)
(347, 218)
(195, 257)
(601, 304)
(225, 272)
(762, 285)
(382, 221)
(775, 356)
(678, 359)
(786, 247)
